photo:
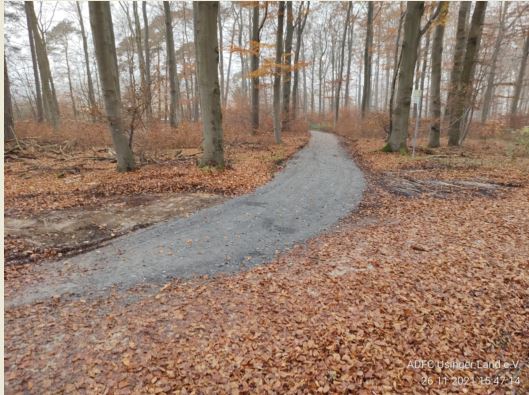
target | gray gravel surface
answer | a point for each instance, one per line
(318, 186)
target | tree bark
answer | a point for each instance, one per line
(38, 94)
(412, 25)
(91, 96)
(368, 53)
(221, 55)
(51, 106)
(254, 63)
(9, 125)
(463, 94)
(342, 56)
(207, 56)
(435, 82)
(148, 94)
(519, 80)
(139, 50)
(300, 26)
(277, 75)
(287, 73)
(459, 53)
(105, 49)
(349, 59)
(171, 63)
(397, 57)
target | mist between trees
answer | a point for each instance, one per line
(442, 66)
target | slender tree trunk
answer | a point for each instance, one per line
(38, 98)
(72, 97)
(423, 70)
(412, 25)
(141, 58)
(368, 53)
(221, 55)
(300, 26)
(287, 73)
(459, 53)
(435, 82)
(228, 73)
(463, 94)
(519, 80)
(277, 75)
(242, 58)
(105, 49)
(91, 96)
(171, 64)
(342, 56)
(207, 56)
(254, 66)
(146, 44)
(349, 59)
(9, 125)
(397, 57)
(51, 107)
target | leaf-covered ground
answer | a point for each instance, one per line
(44, 179)
(411, 295)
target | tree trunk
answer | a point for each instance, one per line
(254, 66)
(342, 56)
(300, 26)
(38, 98)
(287, 74)
(51, 107)
(72, 97)
(463, 94)
(91, 96)
(228, 73)
(412, 26)
(207, 57)
(9, 125)
(519, 80)
(105, 49)
(171, 63)
(277, 75)
(349, 59)
(221, 55)
(459, 53)
(423, 71)
(397, 57)
(148, 94)
(139, 50)
(435, 82)
(368, 53)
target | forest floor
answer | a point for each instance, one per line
(61, 200)
(431, 268)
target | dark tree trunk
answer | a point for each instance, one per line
(38, 94)
(9, 125)
(368, 54)
(171, 64)
(300, 26)
(287, 74)
(277, 75)
(91, 96)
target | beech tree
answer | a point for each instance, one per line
(301, 21)
(205, 16)
(435, 88)
(171, 64)
(368, 56)
(462, 95)
(401, 114)
(340, 72)
(287, 73)
(278, 71)
(105, 49)
(38, 95)
(255, 50)
(91, 95)
(9, 126)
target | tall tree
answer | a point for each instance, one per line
(171, 63)
(300, 26)
(459, 53)
(205, 16)
(9, 125)
(435, 80)
(287, 74)
(141, 58)
(368, 54)
(38, 95)
(51, 106)
(519, 80)
(105, 49)
(91, 96)
(408, 57)
(254, 61)
(146, 45)
(277, 74)
(463, 93)
(342, 57)
(487, 97)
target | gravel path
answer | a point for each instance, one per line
(319, 185)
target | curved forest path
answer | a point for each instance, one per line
(318, 186)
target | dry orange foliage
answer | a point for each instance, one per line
(403, 280)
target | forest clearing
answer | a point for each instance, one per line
(266, 197)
